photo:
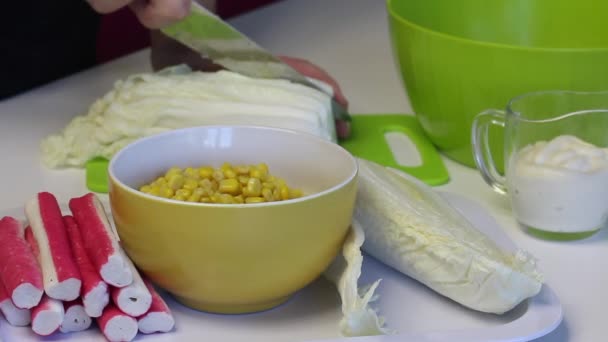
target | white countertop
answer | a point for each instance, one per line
(350, 39)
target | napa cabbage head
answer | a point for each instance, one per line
(177, 97)
(413, 229)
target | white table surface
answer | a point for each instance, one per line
(350, 39)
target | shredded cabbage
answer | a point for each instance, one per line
(149, 103)
(359, 319)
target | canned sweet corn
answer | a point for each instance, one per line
(226, 184)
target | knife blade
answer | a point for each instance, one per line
(218, 41)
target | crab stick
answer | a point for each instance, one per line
(59, 270)
(133, 299)
(101, 241)
(94, 292)
(47, 316)
(116, 325)
(19, 269)
(159, 317)
(14, 315)
(75, 318)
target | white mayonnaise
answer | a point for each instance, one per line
(560, 185)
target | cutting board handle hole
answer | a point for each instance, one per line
(403, 149)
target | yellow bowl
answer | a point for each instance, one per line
(234, 258)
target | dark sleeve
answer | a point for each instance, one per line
(44, 40)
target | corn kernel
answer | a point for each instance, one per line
(160, 181)
(239, 199)
(192, 173)
(268, 185)
(194, 197)
(243, 180)
(226, 166)
(183, 192)
(254, 187)
(145, 188)
(205, 199)
(215, 197)
(284, 191)
(295, 193)
(176, 181)
(173, 171)
(254, 200)
(190, 184)
(205, 171)
(200, 192)
(225, 199)
(230, 186)
(217, 175)
(276, 193)
(267, 194)
(179, 198)
(263, 167)
(205, 183)
(165, 192)
(229, 173)
(256, 173)
(241, 169)
(155, 190)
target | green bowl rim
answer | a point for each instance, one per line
(406, 22)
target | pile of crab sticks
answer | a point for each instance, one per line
(62, 272)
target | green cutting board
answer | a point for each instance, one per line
(367, 141)
(96, 173)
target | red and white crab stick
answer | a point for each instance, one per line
(158, 318)
(47, 316)
(19, 269)
(133, 299)
(117, 325)
(100, 240)
(59, 270)
(75, 318)
(94, 293)
(14, 316)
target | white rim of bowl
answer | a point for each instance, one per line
(306, 135)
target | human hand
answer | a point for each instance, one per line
(311, 70)
(151, 13)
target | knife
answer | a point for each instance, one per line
(213, 38)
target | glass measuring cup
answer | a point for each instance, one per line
(556, 161)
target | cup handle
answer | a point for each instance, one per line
(481, 147)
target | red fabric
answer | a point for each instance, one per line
(227, 8)
(120, 33)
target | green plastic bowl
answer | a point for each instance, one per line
(457, 58)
